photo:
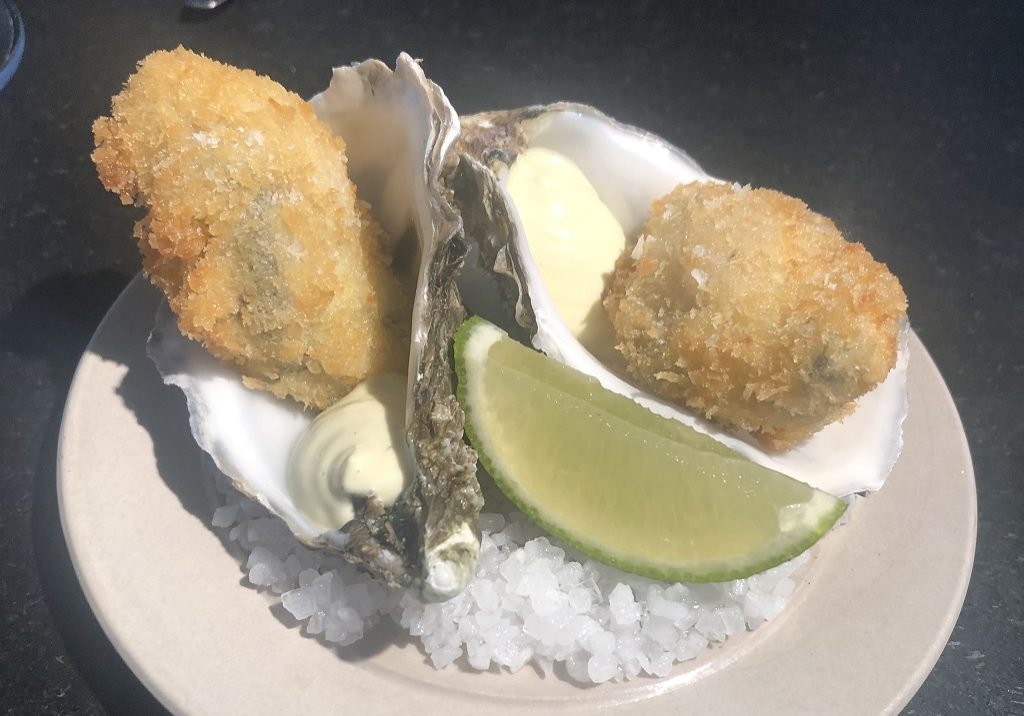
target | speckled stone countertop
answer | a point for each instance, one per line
(905, 124)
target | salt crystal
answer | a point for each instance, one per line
(440, 658)
(601, 642)
(519, 658)
(485, 594)
(315, 625)
(624, 609)
(773, 606)
(468, 631)
(541, 629)
(513, 602)
(299, 603)
(602, 667)
(580, 600)
(661, 630)
(677, 593)
(489, 559)
(532, 600)
(512, 569)
(225, 516)
(733, 619)
(432, 618)
(677, 612)
(784, 588)
(320, 589)
(576, 665)
(541, 548)
(690, 646)
(485, 620)
(293, 565)
(259, 555)
(630, 651)
(456, 607)
(260, 574)
(550, 602)
(536, 583)
(491, 522)
(760, 583)
(358, 597)
(661, 665)
(264, 567)
(638, 661)
(479, 655)
(342, 625)
(570, 574)
(711, 625)
(579, 629)
(632, 667)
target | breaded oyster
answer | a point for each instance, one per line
(253, 229)
(746, 306)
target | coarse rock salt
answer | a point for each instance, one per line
(532, 601)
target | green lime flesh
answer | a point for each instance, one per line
(644, 493)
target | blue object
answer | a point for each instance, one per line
(12, 40)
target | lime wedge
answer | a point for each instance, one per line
(644, 493)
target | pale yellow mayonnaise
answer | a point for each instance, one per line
(574, 239)
(355, 447)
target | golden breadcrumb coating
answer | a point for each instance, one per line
(253, 227)
(747, 307)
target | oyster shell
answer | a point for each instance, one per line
(629, 168)
(398, 127)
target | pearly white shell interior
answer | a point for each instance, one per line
(630, 168)
(248, 433)
(387, 121)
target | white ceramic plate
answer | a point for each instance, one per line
(863, 630)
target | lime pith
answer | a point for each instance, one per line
(630, 488)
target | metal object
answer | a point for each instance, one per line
(12, 40)
(204, 4)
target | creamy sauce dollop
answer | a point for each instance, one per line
(355, 447)
(574, 239)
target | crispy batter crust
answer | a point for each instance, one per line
(253, 228)
(751, 309)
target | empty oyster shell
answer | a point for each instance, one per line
(398, 127)
(629, 168)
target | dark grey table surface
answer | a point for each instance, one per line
(905, 124)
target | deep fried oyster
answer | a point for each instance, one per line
(751, 309)
(253, 228)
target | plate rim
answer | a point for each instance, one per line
(167, 698)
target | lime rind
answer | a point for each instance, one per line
(812, 520)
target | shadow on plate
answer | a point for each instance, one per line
(52, 323)
(162, 412)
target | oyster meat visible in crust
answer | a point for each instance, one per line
(751, 309)
(629, 169)
(398, 128)
(253, 229)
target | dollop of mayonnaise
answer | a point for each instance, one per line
(355, 447)
(574, 239)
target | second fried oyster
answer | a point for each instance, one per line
(253, 229)
(751, 309)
